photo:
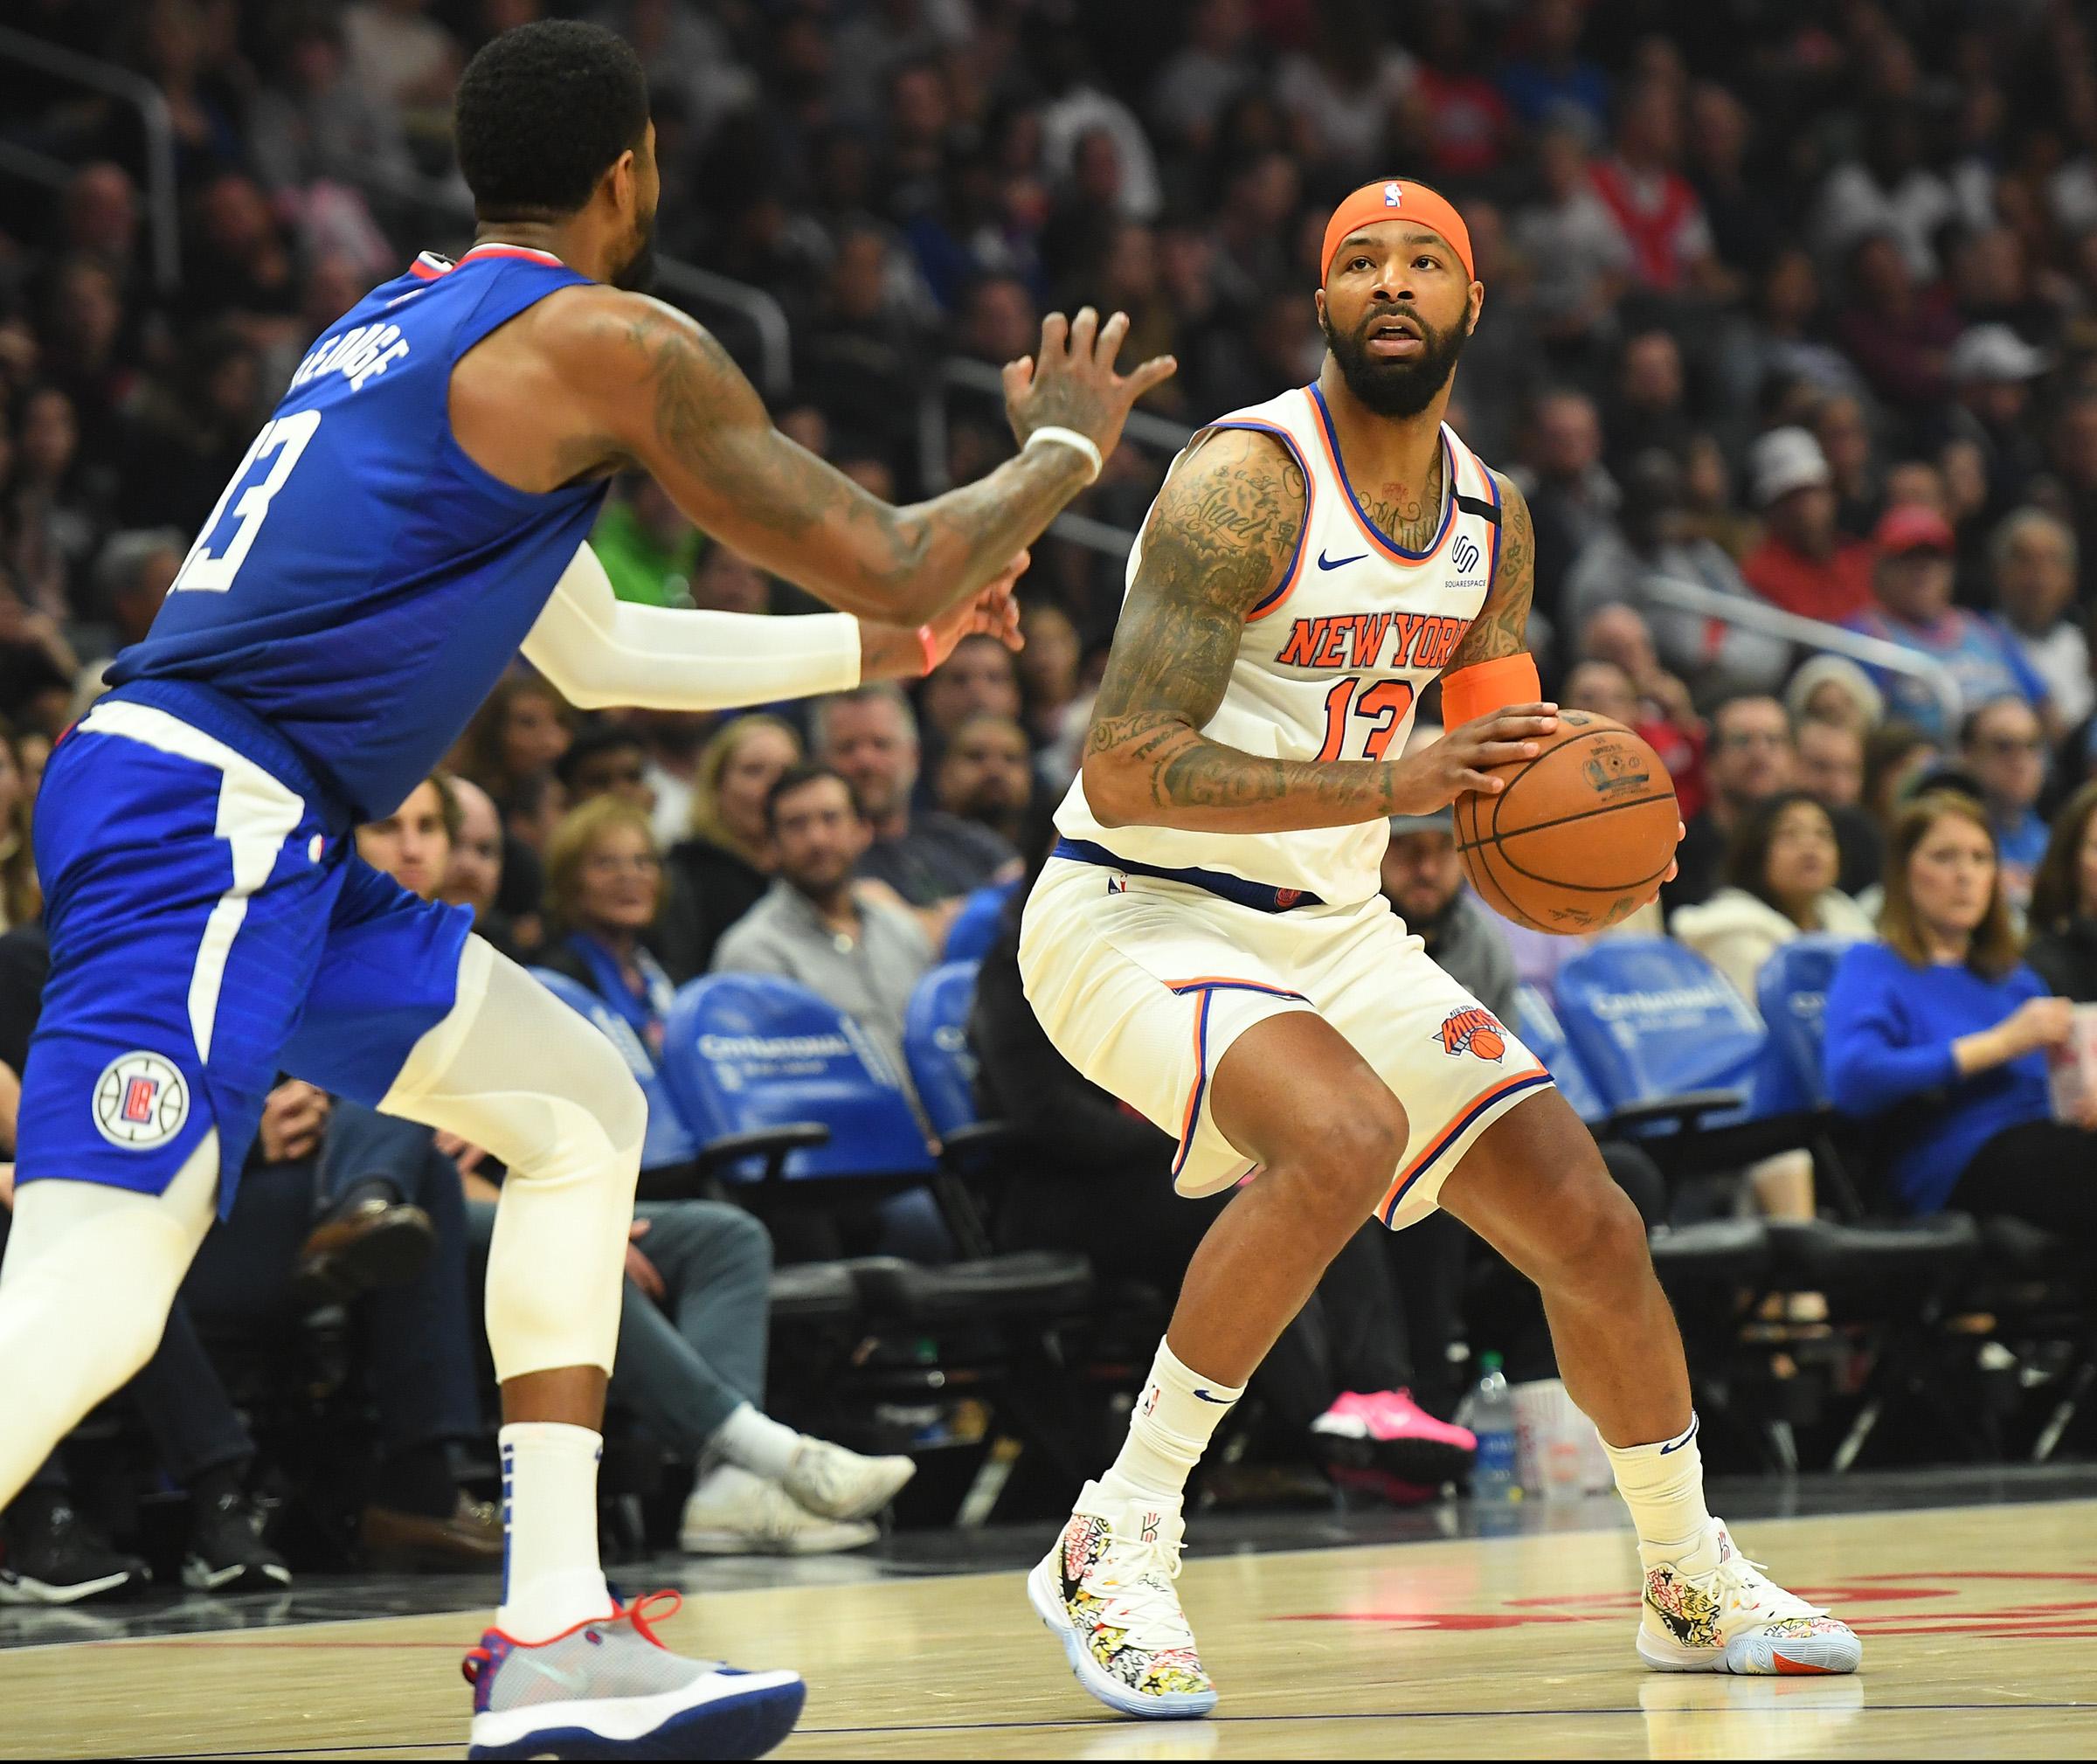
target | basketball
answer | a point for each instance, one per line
(1579, 836)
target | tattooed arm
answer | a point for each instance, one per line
(1502, 621)
(665, 396)
(1217, 544)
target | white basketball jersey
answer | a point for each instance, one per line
(1330, 663)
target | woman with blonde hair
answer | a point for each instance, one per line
(1939, 1035)
(604, 887)
(726, 865)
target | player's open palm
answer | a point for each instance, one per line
(1443, 770)
(1070, 383)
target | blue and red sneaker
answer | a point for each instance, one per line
(609, 1689)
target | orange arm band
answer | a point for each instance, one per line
(1486, 687)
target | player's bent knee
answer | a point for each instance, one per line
(1601, 1239)
(1350, 1150)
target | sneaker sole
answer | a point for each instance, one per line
(1179, 1705)
(837, 1539)
(1758, 1656)
(750, 1715)
(1420, 1461)
(26, 1589)
(235, 1577)
(868, 1504)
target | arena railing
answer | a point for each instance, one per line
(134, 89)
(764, 316)
(1774, 621)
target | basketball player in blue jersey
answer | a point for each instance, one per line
(1210, 943)
(410, 516)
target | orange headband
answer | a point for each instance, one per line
(1397, 198)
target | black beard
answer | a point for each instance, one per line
(1392, 388)
(637, 274)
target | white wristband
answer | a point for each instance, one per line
(1068, 437)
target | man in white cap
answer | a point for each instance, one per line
(1991, 369)
(1804, 565)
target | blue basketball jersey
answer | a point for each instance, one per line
(362, 584)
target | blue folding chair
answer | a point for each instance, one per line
(1666, 1040)
(935, 1042)
(975, 927)
(1792, 991)
(780, 1085)
(1544, 1036)
(669, 1144)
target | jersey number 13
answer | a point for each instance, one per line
(245, 502)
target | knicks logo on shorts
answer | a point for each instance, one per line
(141, 1100)
(1475, 1031)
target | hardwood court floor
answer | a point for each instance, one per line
(1980, 1627)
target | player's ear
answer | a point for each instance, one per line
(1478, 306)
(622, 182)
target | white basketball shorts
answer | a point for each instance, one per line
(1143, 983)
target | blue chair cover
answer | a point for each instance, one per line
(1651, 1018)
(669, 1141)
(1792, 991)
(1544, 1036)
(744, 1052)
(975, 927)
(935, 1041)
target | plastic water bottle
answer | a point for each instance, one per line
(1493, 1478)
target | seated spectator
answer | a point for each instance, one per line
(1831, 770)
(1059, 708)
(2032, 563)
(1936, 1035)
(603, 886)
(606, 758)
(1833, 689)
(1750, 760)
(986, 775)
(1781, 870)
(1663, 713)
(928, 858)
(1803, 564)
(2063, 914)
(519, 733)
(132, 575)
(1651, 544)
(1911, 584)
(690, 1356)
(473, 876)
(649, 550)
(980, 678)
(727, 863)
(817, 925)
(2004, 749)
(21, 895)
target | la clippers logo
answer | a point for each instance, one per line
(140, 1102)
(1476, 1032)
(1390, 196)
(1465, 554)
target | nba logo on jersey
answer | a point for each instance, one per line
(140, 1102)
(1390, 196)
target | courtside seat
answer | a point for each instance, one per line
(1544, 1036)
(975, 927)
(1695, 1262)
(814, 1295)
(669, 1148)
(1901, 1261)
(1026, 1283)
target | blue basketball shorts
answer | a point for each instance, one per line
(211, 927)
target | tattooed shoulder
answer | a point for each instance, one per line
(1502, 625)
(1226, 521)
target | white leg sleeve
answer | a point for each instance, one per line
(90, 1273)
(514, 1069)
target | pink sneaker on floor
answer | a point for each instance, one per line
(1386, 1430)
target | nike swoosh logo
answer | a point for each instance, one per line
(1677, 1445)
(566, 1680)
(1222, 1402)
(1326, 563)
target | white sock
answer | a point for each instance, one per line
(1663, 1484)
(755, 1442)
(551, 1579)
(1175, 1419)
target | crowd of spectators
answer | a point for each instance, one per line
(1794, 305)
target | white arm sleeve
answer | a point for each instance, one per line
(598, 650)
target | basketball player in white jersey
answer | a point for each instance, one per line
(1210, 944)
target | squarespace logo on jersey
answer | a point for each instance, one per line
(1357, 640)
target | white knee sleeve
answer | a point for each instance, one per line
(84, 1296)
(514, 1069)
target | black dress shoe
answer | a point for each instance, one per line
(368, 1243)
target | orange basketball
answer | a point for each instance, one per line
(1579, 836)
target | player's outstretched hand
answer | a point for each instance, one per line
(1070, 383)
(1424, 782)
(990, 611)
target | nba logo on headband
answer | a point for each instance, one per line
(1390, 196)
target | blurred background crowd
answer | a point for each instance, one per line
(1789, 337)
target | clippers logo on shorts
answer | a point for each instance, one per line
(1476, 1032)
(140, 1102)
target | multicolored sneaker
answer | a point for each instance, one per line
(1711, 1610)
(609, 1689)
(1105, 1591)
(1386, 1430)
